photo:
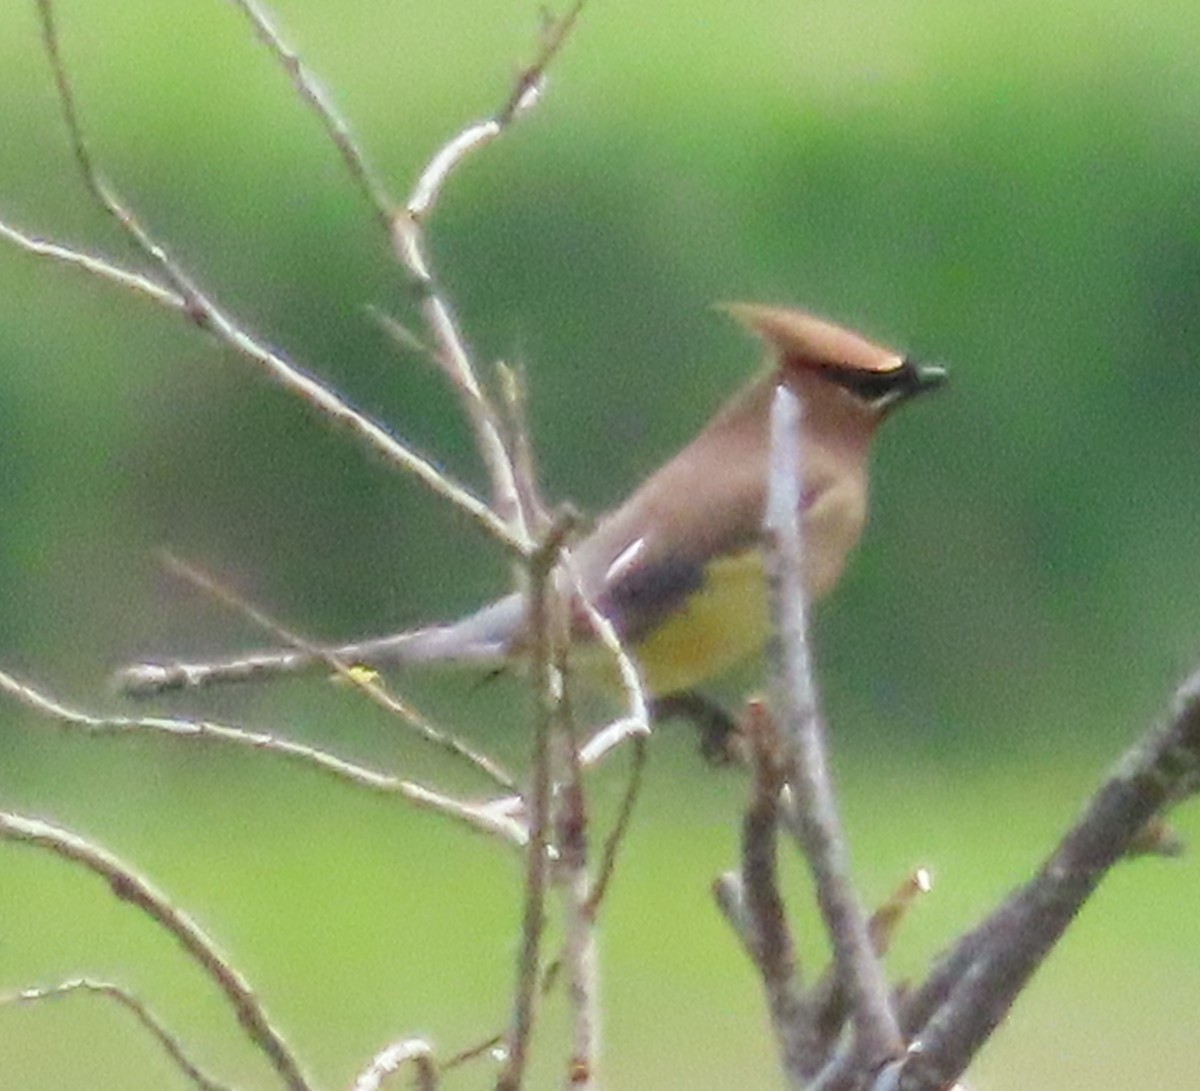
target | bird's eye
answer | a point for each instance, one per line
(874, 386)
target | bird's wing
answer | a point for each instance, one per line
(644, 562)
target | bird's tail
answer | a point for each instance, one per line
(481, 640)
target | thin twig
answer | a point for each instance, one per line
(390, 1060)
(554, 36)
(205, 313)
(516, 427)
(636, 722)
(729, 894)
(399, 334)
(582, 962)
(547, 690)
(490, 818)
(363, 683)
(827, 999)
(493, 1046)
(452, 354)
(774, 949)
(450, 346)
(637, 718)
(616, 836)
(123, 998)
(101, 267)
(312, 93)
(813, 818)
(130, 887)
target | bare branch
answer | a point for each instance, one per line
(774, 950)
(555, 33)
(204, 312)
(388, 1061)
(973, 985)
(344, 670)
(451, 353)
(492, 1048)
(489, 818)
(311, 92)
(616, 836)
(579, 946)
(130, 887)
(811, 813)
(399, 334)
(449, 343)
(547, 683)
(769, 938)
(637, 718)
(101, 267)
(515, 425)
(125, 999)
(827, 999)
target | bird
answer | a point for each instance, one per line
(677, 567)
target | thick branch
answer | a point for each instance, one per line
(812, 815)
(974, 984)
(758, 903)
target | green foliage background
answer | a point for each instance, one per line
(1010, 189)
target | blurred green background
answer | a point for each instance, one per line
(1009, 189)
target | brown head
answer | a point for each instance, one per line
(842, 377)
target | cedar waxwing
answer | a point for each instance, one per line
(677, 567)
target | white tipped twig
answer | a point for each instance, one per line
(131, 887)
(637, 717)
(827, 1000)
(126, 1000)
(635, 723)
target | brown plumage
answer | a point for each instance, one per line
(676, 567)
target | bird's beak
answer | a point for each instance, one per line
(926, 377)
(912, 379)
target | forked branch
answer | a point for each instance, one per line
(929, 1041)
(127, 1001)
(131, 887)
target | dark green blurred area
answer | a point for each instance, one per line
(1011, 191)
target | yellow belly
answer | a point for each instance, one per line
(722, 623)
